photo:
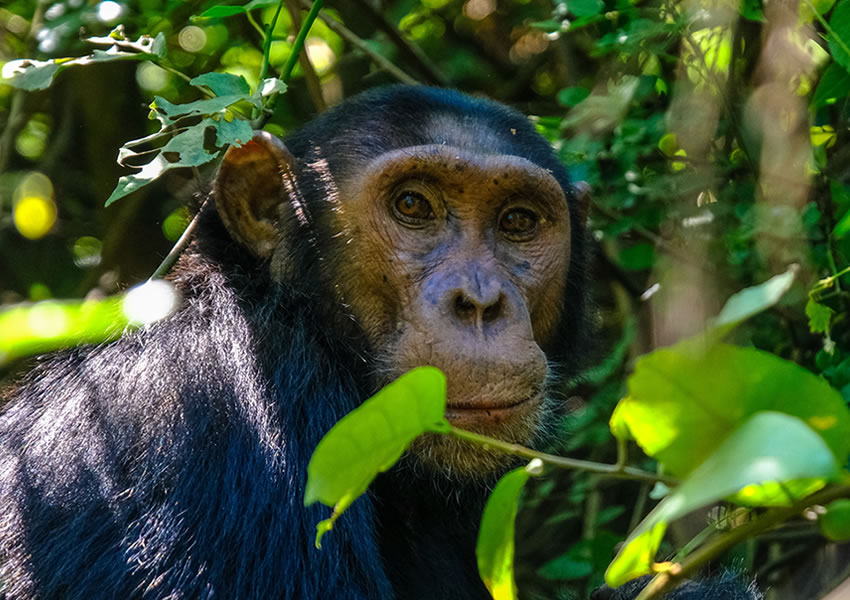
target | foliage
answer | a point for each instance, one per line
(713, 138)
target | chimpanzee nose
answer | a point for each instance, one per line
(476, 299)
(473, 309)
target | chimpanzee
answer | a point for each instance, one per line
(407, 226)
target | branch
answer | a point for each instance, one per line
(678, 572)
(408, 49)
(350, 37)
(616, 471)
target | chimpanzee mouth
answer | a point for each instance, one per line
(493, 410)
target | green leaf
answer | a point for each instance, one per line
(235, 132)
(128, 184)
(685, 399)
(168, 113)
(495, 548)
(572, 95)
(636, 556)
(753, 300)
(768, 447)
(271, 85)
(838, 38)
(668, 144)
(185, 149)
(260, 4)
(835, 523)
(29, 74)
(371, 438)
(819, 316)
(586, 8)
(566, 567)
(752, 10)
(222, 12)
(842, 227)
(834, 85)
(808, 9)
(637, 257)
(143, 45)
(32, 75)
(27, 329)
(223, 84)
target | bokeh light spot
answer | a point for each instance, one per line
(151, 78)
(109, 11)
(192, 38)
(87, 252)
(150, 302)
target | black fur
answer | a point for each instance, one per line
(171, 463)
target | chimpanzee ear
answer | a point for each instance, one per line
(582, 190)
(248, 191)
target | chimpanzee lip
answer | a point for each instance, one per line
(494, 407)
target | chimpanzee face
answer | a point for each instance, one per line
(450, 256)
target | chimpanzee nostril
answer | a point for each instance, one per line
(493, 311)
(465, 308)
(471, 310)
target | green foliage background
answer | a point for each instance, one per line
(713, 136)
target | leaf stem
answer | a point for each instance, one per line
(256, 26)
(616, 471)
(267, 42)
(299, 41)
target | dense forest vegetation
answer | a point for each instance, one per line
(713, 137)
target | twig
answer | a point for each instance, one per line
(352, 38)
(267, 47)
(616, 471)
(166, 264)
(14, 125)
(408, 49)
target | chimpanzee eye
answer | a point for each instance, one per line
(519, 224)
(412, 208)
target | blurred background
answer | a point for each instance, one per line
(713, 136)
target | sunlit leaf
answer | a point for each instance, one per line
(30, 74)
(668, 144)
(495, 548)
(823, 135)
(767, 447)
(755, 299)
(27, 329)
(819, 316)
(271, 85)
(371, 439)
(685, 399)
(809, 8)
